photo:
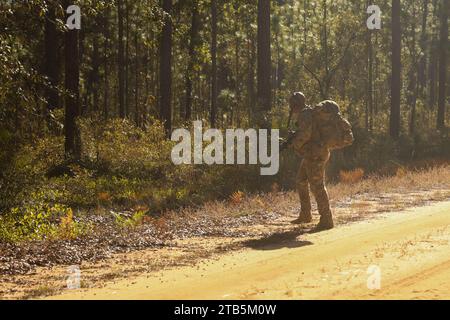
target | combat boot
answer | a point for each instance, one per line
(325, 223)
(305, 217)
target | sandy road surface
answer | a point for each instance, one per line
(410, 248)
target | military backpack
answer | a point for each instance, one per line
(333, 130)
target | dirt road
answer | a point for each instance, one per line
(408, 252)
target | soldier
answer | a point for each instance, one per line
(315, 154)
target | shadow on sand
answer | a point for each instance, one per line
(286, 239)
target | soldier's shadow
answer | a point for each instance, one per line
(285, 239)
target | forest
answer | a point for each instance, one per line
(86, 114)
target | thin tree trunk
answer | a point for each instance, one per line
(165, 74)
(237, 44)
(72, 95)
(192, 59)
(305, 30)
(370, 81)
(377, 77)
(95, 72)
(251, 55)
(413, 74)
(433, 62)
(394, 124)
(433, 72)
(264, 68)
(369, 116)
(423, 45)
(213, 111)
(147, 70)
(127, 57)
(82, 49)
(122, 111)
(137, 111)
(51, 62)
(105, 65)
(443, 55)
(325, 46)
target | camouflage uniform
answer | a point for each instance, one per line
(311, 173)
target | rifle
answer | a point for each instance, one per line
(287, 142)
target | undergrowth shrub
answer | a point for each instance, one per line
(135, 220)
(38, 219)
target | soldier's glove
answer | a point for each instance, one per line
(286, 142)
(283, 144)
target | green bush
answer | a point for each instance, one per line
(38, 219)
(134, 221)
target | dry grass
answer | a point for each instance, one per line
(279, 203)
(404, 181)
(237, 197)
(351, 177)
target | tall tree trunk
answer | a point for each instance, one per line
(443, 55)
(51, 61)
(92, 81)
(105, 64)
(137, 111)
(413, 76)
(95, 72)
(369, 116)
(253, 93)
(423, 46)
(147, 70)
(370, 89)
(72, 94)
(325, 49)
(127, 57)
(165, 74)
(213, 111)
(433, 61)
(377, 77)
(81, 48)
(264, 88)
(192, 59)
(305, 29)
(433, 72)
(122, 111)
(394, 124)
(237, 53)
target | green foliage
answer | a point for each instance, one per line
(134, 221)
(122, 167)
(38, 219)
(117, 147)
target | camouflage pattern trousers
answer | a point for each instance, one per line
(312, 174)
